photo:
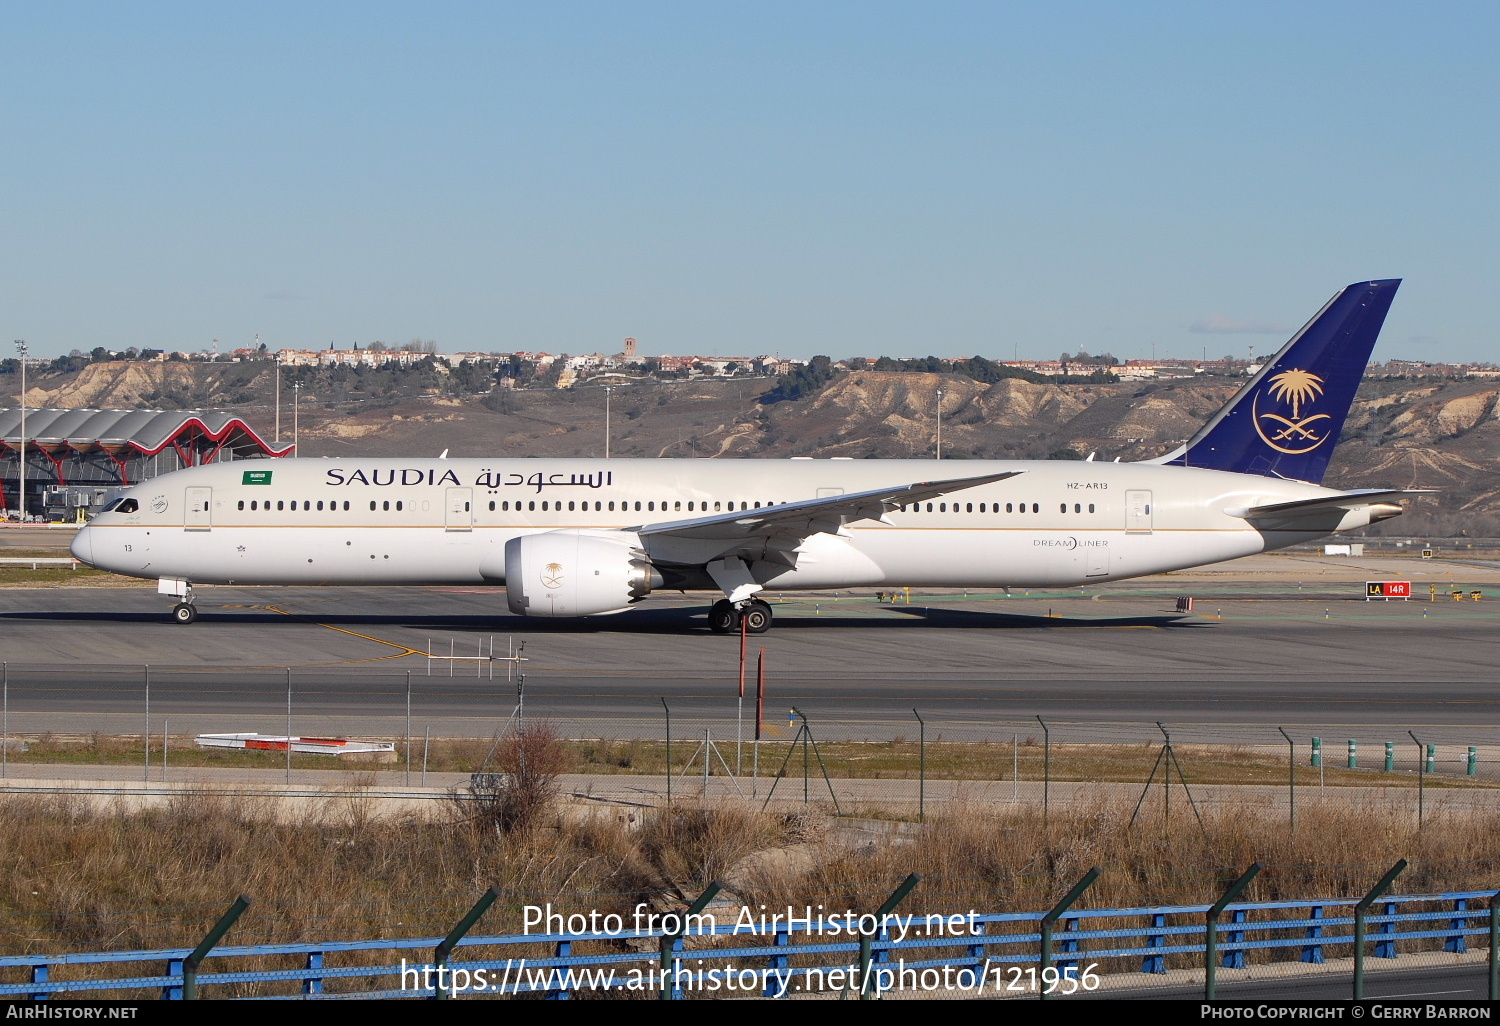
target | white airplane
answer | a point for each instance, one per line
(583, 537)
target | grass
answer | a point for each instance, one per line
(16, 576)
(25, 577)
(871, 760)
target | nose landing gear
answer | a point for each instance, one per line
(184, 611)
(724, 616)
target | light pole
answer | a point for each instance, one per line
(278, 397)
(940, 423)
(296, 407)
(21, 463)
(607, 390)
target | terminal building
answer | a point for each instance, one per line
(76, 459)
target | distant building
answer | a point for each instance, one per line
(74, 458)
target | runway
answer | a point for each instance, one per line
(1259, 651)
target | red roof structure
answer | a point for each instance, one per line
(119, 447)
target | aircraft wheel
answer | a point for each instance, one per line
(723, 618)
(757, 617)
(184, 613)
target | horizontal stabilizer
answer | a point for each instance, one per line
(1345, 500)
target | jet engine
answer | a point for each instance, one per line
(576, 573)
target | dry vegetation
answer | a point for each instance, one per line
(75, 879)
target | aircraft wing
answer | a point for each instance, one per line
(1346, 500)
(813, 516)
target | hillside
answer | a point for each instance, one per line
(1418, 434)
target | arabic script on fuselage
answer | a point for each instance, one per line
(412, 477)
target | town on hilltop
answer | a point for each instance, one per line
(520, 368)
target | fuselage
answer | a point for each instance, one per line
(446, 521)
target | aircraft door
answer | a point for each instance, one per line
(1138, 512)
(198, 506)
(460, 515)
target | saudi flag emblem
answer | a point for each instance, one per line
(256, 477)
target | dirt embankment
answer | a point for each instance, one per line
(1444, 436)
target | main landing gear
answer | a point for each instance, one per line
(724, 617)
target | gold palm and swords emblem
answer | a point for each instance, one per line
(552, 575)
(1297, 388)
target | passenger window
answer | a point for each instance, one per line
(929, 507)
(1036, 507)
(1077, 508)
(398, 505)
(1008, 508)
(320, 505)
(570, 507)
(372, 505)
(254, 505)
(280, 504)
(969, 507)
(505, 506)
(466, 507)
(1091, 507)
(346, 505)
(981, 507)
(492, 505)
(1062, 507)
(651, 507)
(677, 505)
(242, 504)
(544, 505)
(531, 506)
(386, 506)
(757, 504)
(307, 504)
(611, 507)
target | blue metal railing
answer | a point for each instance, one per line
(786, 960)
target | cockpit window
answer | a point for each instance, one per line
(122, 506)
(110, 506)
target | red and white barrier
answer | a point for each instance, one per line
(280, 743)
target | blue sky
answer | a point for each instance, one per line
(850, 179)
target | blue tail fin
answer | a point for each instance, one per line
(1287, 420)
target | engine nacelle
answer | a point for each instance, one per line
(576, 573)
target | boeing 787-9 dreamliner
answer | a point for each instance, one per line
(586, 537)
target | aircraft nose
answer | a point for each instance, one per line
(83, 546)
